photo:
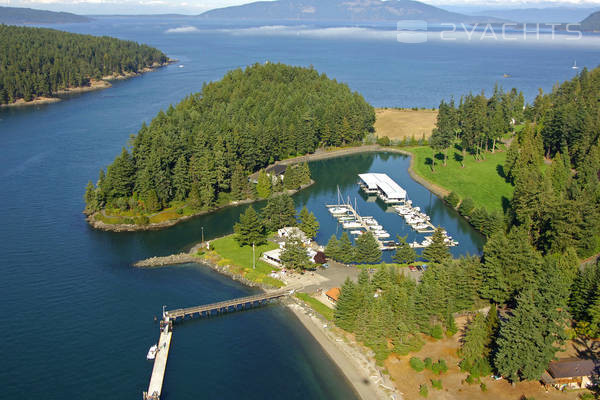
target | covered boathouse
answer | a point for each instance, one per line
(383, 186)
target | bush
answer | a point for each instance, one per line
(384, 141)
(428, 363)
(471, 380)
(437, 332)
(436, 384)
(452, 199)
(417, 364)
(423, 390)
(466, 207)
(587, 396)
(483, 387)
(440, 367)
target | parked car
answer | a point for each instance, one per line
(424, 267)
(419, 267)
(412, 268)
(325, 265)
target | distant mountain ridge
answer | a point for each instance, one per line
(541, 15)
(342, 10)
(18, 15)
(591, 23)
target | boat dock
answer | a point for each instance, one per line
(166, 330)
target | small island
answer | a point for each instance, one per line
(38, 64)
(197, 156)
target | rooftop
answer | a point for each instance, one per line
(385, 184)
(333, 293)
(572, 367)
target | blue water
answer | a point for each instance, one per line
(78, 319)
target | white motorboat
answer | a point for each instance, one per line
(375, 227)
(356, 232)
(381, 234)
(152, 352)
(351, 225)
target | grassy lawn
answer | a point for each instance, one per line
(316, 305)
(480, 180)
(240, 258)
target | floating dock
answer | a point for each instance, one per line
(160, 362)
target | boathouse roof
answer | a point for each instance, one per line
(383, 183)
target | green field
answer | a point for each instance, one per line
(316, 305)
(230, 252)
(480, 180)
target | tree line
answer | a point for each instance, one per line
(201, 151)
(530, 270)
(40, 62)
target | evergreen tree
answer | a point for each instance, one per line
(264, 185)
(294, 254)
(404, 253)
(181, 179)
(523, 348)
(332, 250)
(348, 306)
(367, 249)
(345, 248)
(308, 223)
(91, 203)
(239, 183)
(249, 230)
(279, 212)
(475, 340)
(437, 251)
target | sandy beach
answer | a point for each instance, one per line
(361, 372)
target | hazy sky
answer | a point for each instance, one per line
(198, 6)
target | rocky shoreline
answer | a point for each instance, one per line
(191, 257)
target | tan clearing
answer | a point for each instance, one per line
(404, 123)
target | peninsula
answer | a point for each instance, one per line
(37, 64)
(197, 156)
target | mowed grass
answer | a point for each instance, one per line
(316, 305)
(480, 180)
(232, 253)
(405, 123)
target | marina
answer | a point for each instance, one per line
(394, 196)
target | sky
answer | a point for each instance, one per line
(198, 6)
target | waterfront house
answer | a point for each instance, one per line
(276, 171)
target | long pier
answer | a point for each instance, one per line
(166, 330)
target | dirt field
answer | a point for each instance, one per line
(400, 124)
(408, 381)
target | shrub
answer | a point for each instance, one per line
(451, 328)
(471, 380)
(436, 384)
(466, 207)
(428, 363)
(483, 387)
(437, 332)
(440, 367)
(417, 364)
(423, 390)
(452, 199)
(587, 396)
(384, 141)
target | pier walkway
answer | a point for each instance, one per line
(166, 330)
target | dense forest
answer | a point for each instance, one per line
(203, 149)
(530, 271)
(40, 62)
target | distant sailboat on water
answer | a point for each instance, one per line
(575, 65)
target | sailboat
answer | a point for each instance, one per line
(575, 65)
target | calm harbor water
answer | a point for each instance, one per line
(78, 319)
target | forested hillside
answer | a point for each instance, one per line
(20, 15)
(40, 62)
(530, 269)
(202, 150)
